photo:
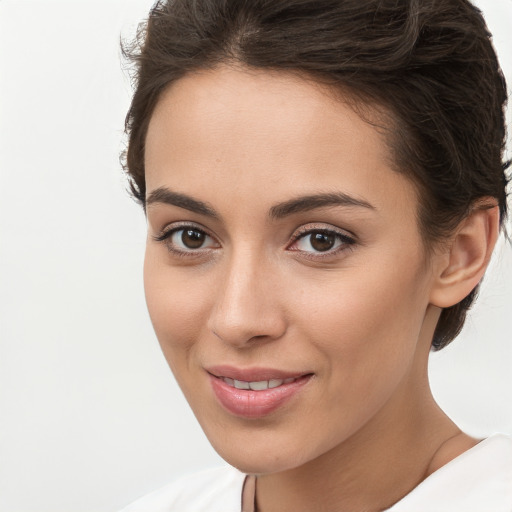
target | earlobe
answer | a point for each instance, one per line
(461, 267)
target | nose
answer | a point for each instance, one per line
(247, 306)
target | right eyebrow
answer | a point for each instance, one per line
(166, 196)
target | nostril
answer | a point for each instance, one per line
(241, 321)
(244, 338)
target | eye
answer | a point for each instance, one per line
(317, 241)
(186, 239)
(190, 238)
(320, 241)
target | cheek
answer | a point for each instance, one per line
(177, 307)
(366, 318)
(366, 328)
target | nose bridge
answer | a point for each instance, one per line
(247, 305)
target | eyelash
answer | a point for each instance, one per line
(346, 241)
(167, 233)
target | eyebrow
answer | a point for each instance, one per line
(166, 196)
(312, 202)
(278, 211)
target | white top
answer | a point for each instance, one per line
(478, 480)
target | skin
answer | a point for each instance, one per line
(365, 429)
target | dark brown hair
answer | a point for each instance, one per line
(429, 64)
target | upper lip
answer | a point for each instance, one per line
(255, 374)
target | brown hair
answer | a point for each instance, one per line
(429, 63)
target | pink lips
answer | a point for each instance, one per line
(270, 389)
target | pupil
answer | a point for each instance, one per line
(322, 241)
(192, 239)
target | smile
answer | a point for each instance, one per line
(256, 393)
(257, 385)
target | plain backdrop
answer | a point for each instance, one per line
(90, 416)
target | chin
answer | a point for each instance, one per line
(261, 450)
(260, 463)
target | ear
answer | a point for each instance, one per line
(459, 268)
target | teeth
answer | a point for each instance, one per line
(241, 384)
(258, 385)
(274, 383)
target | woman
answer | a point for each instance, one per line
(324, 185)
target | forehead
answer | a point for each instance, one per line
(270, 134)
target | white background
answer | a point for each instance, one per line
(90, 417)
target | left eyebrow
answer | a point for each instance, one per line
(311, 202)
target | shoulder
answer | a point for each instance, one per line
(213, 490)
(478, 479)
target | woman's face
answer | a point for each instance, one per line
(283, 256)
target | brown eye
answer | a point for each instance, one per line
(187, 240)
(316, 241)
(322, 241)
(192, 238)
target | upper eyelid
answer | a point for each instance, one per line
(308, 228)
(176, 226)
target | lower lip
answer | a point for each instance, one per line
(247, 403)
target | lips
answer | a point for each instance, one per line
(254, 393)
